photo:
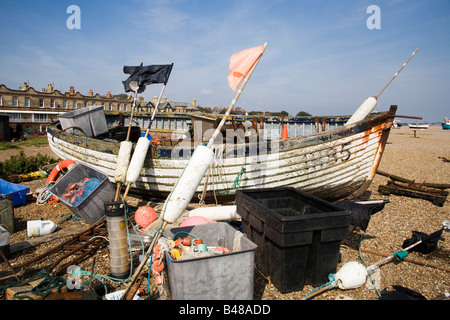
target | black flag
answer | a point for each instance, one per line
(141, 76)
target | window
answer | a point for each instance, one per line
(15, 101)
(1, 101)
(125, 107)
(74, 105)
(52, 103)
(40, 117)
(27, 102)
(15, 117)
(110, 107)
(65, 104)
(41, 103)
(85, 104)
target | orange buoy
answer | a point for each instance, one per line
(284, 133)
(64, 165)
(145, 216)
(157, 251)
(178, 242)
(157, 266)
(186, 242)
(156, 142)
(159, 279)
(198, 241)
(222, 250)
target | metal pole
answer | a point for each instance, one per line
(395, 75)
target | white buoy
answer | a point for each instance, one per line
(364, 110)
(188, 183)
(137, 161)
(123, 160)
(218, 213)
(352, 275)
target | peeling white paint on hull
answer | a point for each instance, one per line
(334, 164)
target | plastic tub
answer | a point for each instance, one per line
(17, 192)
(90, 119)
(92, 207)
(298, 235)
(221, 277)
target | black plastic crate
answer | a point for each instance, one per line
(298, 235)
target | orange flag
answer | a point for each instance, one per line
(241, 63)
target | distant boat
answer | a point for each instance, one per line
(396, 124)
(332, 164)
(418, 126)
(446, 124)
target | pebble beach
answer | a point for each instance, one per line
(419, 156)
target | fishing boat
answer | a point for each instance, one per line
(332, 164)
(446, 124)
(418, 126)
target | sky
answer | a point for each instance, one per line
(323, 57)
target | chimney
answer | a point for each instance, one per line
(155, 100)
(91, 93)
(141, 99)
(108, 94)
(194, 103)
(49, 88)
(164, 100)
(72, 90)
(24, 86)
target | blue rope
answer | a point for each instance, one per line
(70, 216)
(370, 274)
(331, 284)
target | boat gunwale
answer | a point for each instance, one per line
(376, 126)
(112, 147)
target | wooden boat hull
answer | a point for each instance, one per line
(335, 164)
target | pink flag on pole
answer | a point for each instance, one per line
(241, 63)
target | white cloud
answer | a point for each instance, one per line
(206, 92)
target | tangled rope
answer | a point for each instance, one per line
(44, 195)
(44, 287)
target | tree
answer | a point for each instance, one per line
(303, 113)
(280, 114)
(122, 96)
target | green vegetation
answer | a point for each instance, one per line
(278, 114)
(27, 142)
(8, 145)
(21, 164)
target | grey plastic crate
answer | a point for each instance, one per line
(222, 277)
(92, 208)
(91, 120)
